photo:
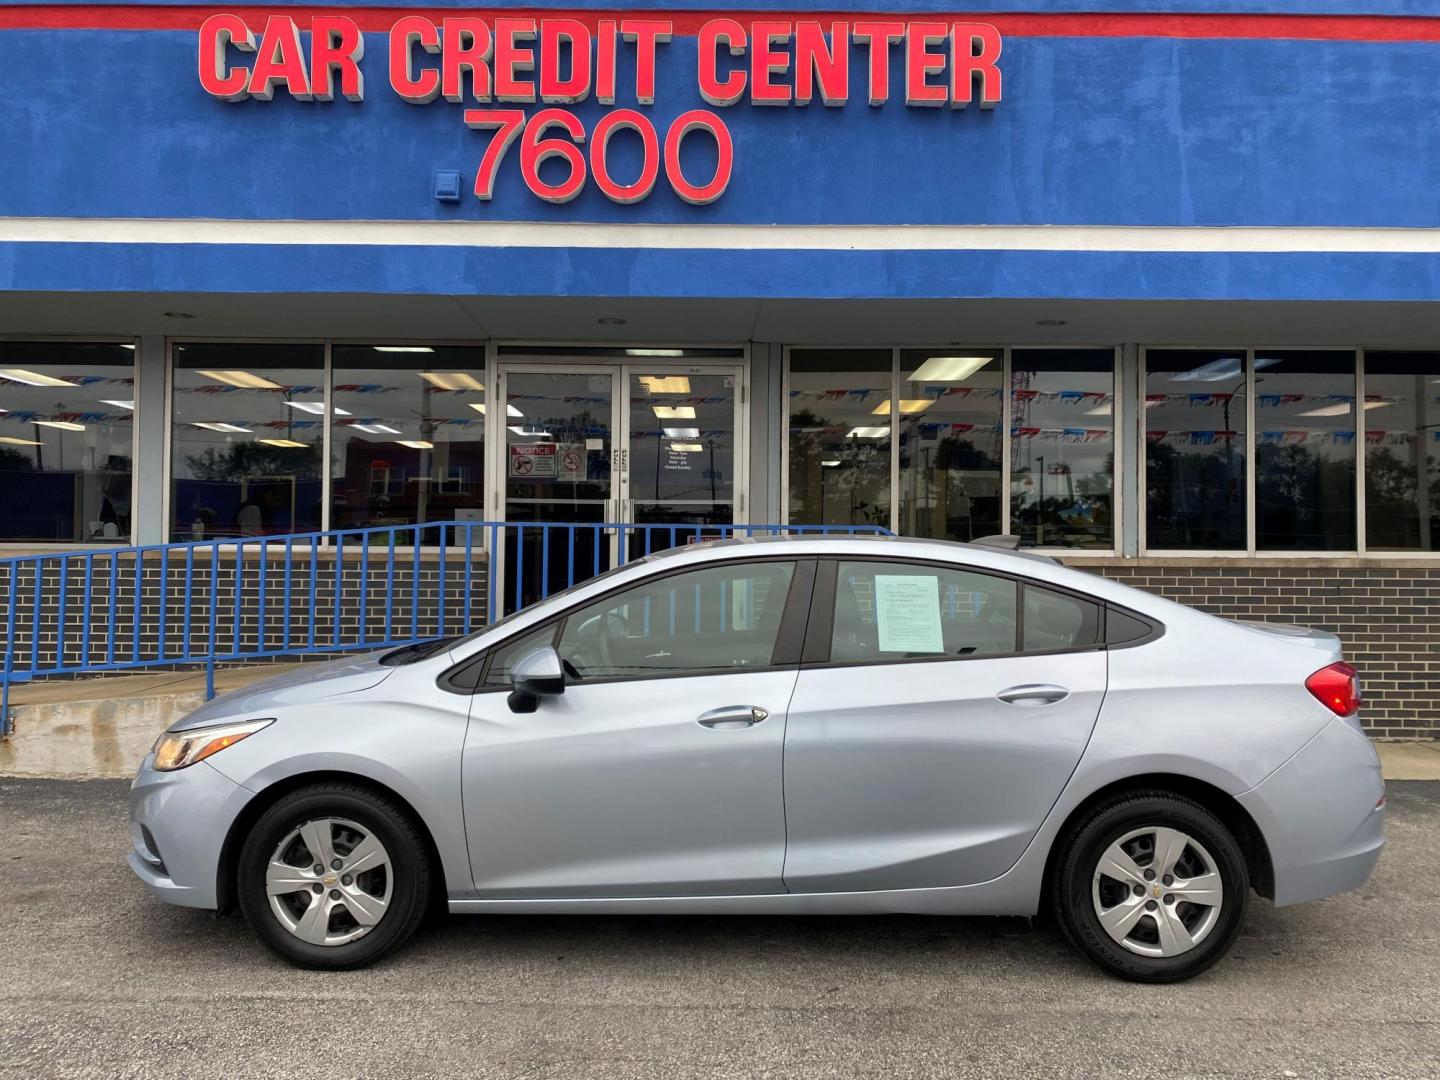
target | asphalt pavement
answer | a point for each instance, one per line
(99, 980)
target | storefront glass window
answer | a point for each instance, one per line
(839, 442)
(1195, 449)
(1402, 451)
(950, 452)
(1305, 450)
(408, 441)
(66, 441)
(1062, 447)
(247, 442)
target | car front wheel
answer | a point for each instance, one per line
(334, 876)
(1152, 887)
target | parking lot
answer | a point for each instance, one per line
(97, 979)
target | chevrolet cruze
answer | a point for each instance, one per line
(786, 726)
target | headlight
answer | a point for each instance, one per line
(177, 749)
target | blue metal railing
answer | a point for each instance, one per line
(223, 601)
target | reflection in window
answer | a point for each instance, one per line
(839, 421)
(248, 438)
(1195, 449)
(897, 611)
(408, 443)
(1062, 448)
(1305, 450)
(66, 438)
(682, 452)
(1402, 451)
(950, 430)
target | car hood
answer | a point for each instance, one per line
(312, 682)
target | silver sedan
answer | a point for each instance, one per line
(786, 726)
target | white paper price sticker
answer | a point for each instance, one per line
(907, 613)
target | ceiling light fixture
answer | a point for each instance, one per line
(243, 379)
(510, 410)
(287, 444)
(453, 380)
(63, 425)
(907, 406)
(222, 427)
(674, 412)
(128, 406)
(403, 348)
(666, 384)
(10, 441)
(681, 432)
(830, 464)
(1341, 409)
(1104, 410)
(375, 429)
(529, 433)
(32, 378)
(415, 444)
(939, 369)
(654, 352)
(868, 433)
(315, 408)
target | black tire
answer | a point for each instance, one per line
(410, 874)
(1072, 900)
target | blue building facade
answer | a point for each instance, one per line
(1152, 285)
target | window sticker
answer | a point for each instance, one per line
(907, 613)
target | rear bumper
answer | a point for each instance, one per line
(1322, 815)
(178, 824)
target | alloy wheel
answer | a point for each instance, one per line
(1157, 891)
(329, 881)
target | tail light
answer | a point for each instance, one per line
(1337, 687)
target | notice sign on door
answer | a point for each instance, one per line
(907, 613)
(533, 460)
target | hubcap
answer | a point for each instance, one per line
(1157, 891)
(329, 906)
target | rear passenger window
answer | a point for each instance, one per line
(1058, 621)
(895, 611)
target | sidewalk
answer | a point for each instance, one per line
(104, 726)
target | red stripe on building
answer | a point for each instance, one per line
(380, 19)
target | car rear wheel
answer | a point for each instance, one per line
(1151, 886)
(334, 876)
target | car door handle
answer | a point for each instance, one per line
(1031, 695)
(732, 717)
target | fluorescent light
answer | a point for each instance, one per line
(8, 441)
(687, 447)
(315, 408)
(1378, 404)
(223, 427)
(907, 406)
(402, 348)
(666, 384)
(63, 425)
(1104, 410)
(529, 433)
(242, 379)
(654, 352)
(1215, 371)
(674, 412)
(128, 406)
(453, 380)
(868, 433)
(131, 347)
(416, 444)
(1342, 409)
(949, 368)
(288, 444)
(510, 410)
(375, 429)
(32, 378)
(830, 464)
(681, 432)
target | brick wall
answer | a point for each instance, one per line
(1387, 614)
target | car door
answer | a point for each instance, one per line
(658, 771)
(932, 726)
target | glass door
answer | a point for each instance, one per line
(558, 465)
(681, 455)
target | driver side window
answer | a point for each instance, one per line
(704, 621)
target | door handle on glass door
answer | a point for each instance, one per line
(732, 717)
(1031, 695)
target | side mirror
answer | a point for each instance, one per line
(535, 675)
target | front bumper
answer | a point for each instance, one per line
(178, 824)
(1323, 815)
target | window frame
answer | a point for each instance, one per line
(820, 627)
(789, 636)
(1120, 392)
